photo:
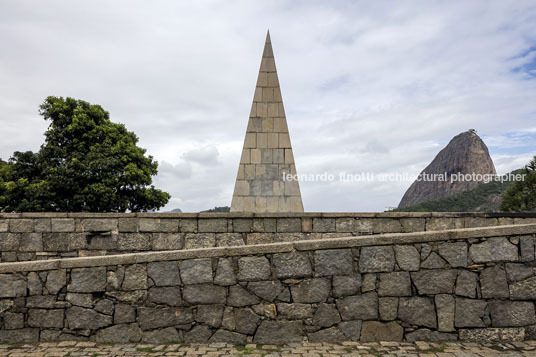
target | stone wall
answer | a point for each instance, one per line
(473, 283)
(55, 235)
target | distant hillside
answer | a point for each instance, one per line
(218, 209)
(466, 153)
(484, 198)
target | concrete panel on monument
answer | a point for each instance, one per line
(267, 153)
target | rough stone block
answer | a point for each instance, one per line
(225, 274)
(526, 246)
(434, 281)
(324, 225)
(279, 332)
(164, 273)
(295, 311)
(379, 331)
(326, 315)
(87, 280)
(386, 225)
(20, 335)
(376, 259)
(242, 225)
(388, 308)
(31, 242)
(62, 225)
(466, 284)
(410, 225)
(213, 225)
(99, 225)
(523, 290)
(124, 314)
(188, 225)
(196, 271)
(445, 306)
(266, 290)
(21, 225)
(56, 242)
(493, 250)
(493, 283)
(13, 321)
(407, 257)
(210, 315)
(493, 335)
(425, 334)
(135, 277)
(12, 286)
(45, 318)
(346, 285)
(291, 265)
(512, 313)
(198, 334)
(395, 284)
(444, 223)
(229, 239)
(9, 241)
(151, 318)
(471, 313)
(332, 334)
(80, 318)
(418, 311)
(454, 253)
(199, 240)
(42, 225)
(311, 291)
(288, 225)
(56, 280)
(246, 321)
(4, 225)
(134, 241)
(253, 268)
(167, 241)
(129, 225)
(364, 225)
(516, 272)
(168, 295)
(333, 262)
(239, 297)
(345, 225)
(204, 294)
(359, 307)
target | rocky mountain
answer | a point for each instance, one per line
(466, 153)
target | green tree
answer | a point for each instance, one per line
(521, 196)
(87, 164)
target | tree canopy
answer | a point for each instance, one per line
(86, 164)
(521, 196)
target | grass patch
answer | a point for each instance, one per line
(144, 349)
(441, 348)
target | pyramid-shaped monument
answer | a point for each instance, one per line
(267, 154)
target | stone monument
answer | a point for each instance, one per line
(267, 154)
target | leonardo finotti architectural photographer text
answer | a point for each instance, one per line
(401, 176)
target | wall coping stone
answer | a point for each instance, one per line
(270, 215)
(348, 242)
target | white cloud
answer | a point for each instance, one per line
(367, 86)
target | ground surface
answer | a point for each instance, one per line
(420, 349)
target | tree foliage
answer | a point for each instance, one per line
(521, 196)
(87, 164)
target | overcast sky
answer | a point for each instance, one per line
(377, 86)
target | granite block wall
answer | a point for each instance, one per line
(57, 235)
(470, 284)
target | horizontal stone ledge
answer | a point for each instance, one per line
(269, 215)
(333, 243)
